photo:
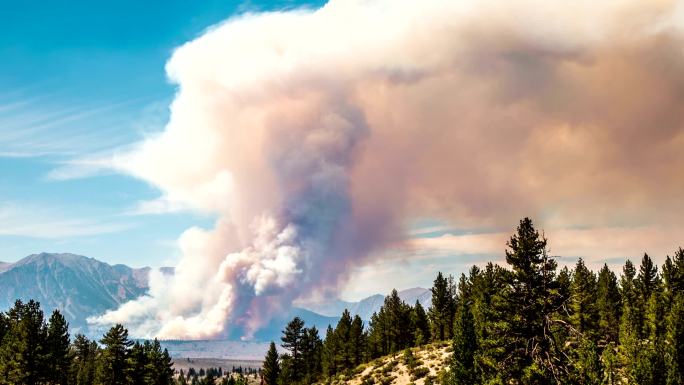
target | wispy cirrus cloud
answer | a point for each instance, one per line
(17, 219)
(33, 125)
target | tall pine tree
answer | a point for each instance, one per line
(113, 363)
(271, 366)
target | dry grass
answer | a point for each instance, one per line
(428, 361)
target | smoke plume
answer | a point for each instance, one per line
(315, 135)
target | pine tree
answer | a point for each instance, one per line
(398, 315)
(675, 341)
(85, 353)
(608, 304)
(330, 352)
(673, 277)
(529, 348)
(57, 349)
(286, 370)
(22, 359)
(441, 312)
(158, 364)
(4, 327)
(587, 363)
(137, 363)
(583, 316)
(420, 325)
(465, 347)
(271, 366)
(358, 341)
(647, 282)
(312, 347)
(113, 364)
(292, 341)
(610, 365)
(630, 322)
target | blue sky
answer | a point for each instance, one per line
(80, 78)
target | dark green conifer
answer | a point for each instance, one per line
(465, 347)
(608, 305)
(271, 366)
(420, 324)
(113, 361)
(58, 360)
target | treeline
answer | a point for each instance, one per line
(216, 376)
(528, 323)
(34, 351)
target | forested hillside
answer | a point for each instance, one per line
(527, 323)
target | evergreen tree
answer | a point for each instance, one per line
(292, 341)
(113, 363)
(583, 316)
(312, 348)
(83, 364)
(271, 366)
(330, 352)
(675, 341)
(398, 315)
(158, 364)
(441, 312)
(286, 370)
(646, 283)
(608, 304)
(586, 363)
(420, 325)
(529, 350)
(465, 348)
(22, 358)
(358, 341)
(343, 333)
(57, 350)
(137, 363)
(610, 365)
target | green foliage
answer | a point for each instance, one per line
(529, 350)
(420, 325)
(23, 353)
(84, 360)
(113, 362)
(674, 352)
(465, 347)
(608, 305)
(584, 317)
(443, 308)
(57, 349)
(521, 324)
(390, 329)
(271, 366)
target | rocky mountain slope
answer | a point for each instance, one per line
(79, 286)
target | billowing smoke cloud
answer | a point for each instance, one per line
(315, 135)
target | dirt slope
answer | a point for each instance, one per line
(426, 363)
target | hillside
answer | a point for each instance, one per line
(428, 361)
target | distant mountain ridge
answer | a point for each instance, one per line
(369, 305)
(80, 287)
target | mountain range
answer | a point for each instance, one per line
(81, 287)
